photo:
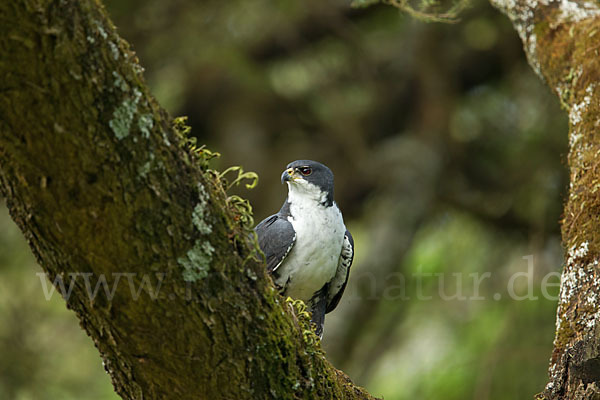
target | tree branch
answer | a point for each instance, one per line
(104, 188)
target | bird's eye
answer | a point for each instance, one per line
(305, 170)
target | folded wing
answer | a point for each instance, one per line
(338, 284)
(276, 237)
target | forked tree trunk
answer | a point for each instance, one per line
(562, 42)
(104, 188)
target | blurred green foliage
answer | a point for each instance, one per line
(44, 354)
(448, 153)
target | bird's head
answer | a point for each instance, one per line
(309, 179)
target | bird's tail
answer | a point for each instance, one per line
(318, 315)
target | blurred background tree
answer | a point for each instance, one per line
(448, 154)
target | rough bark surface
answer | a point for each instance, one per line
(101, 184)
(562, 42)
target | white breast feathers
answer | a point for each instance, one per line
(314, 258)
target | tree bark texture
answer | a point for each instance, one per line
(101, 184)
(562, 42)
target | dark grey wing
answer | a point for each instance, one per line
(276, 237)
(339, 281)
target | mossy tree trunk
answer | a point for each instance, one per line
(103, 187)
(562, 42)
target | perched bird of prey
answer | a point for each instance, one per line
(307, 246)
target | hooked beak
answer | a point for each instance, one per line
(288, 175)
